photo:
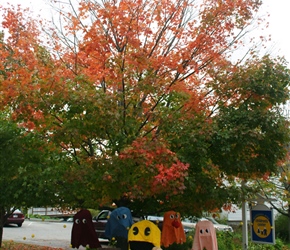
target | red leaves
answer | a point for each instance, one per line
(160, 168)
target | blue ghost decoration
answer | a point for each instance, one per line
(119, 223)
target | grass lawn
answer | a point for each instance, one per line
(11, 245)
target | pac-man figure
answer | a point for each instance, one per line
(144, 235)
(172, 229)
(83, 231)
(205, 236)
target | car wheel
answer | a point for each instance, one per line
(19, 225)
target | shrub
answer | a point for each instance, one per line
(185, 246)
(225, 241)
(281, 227)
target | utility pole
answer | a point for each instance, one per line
(244, 220)
(245, 225)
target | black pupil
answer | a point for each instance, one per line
(135, 230)
(147, 231)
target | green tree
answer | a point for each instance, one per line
(28, 174)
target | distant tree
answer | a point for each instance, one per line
(28, 171)
(145, 101)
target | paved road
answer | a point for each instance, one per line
(44, 233)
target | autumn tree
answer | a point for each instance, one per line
(146, 101)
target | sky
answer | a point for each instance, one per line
(279, 21)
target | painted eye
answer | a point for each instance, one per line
(84, 221)
(201, 231)
(135, 230)
(207, 230)
(124, 216)
(77, 221)
(147, 231)
(171, 216)
(118, 217)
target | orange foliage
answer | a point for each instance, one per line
(136, 54)
(145, 47)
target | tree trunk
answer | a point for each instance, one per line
(1, 235)
(288, 240)
(1, 226)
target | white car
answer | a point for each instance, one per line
(217, 226)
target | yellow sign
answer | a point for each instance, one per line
(262, 226)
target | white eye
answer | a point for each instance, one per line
(171, 216)
(177, 216)
(77, 221)
(84, 221)
(124, 216)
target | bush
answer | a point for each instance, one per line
(185, 246)
(281, 227)
(38, 216)
(278, 246)
(225, 241)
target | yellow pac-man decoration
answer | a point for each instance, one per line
(144, 232)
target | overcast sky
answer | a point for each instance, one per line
(279, 21)
(279, 25)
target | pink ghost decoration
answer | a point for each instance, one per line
(205, 236)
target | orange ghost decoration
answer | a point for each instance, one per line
(172, 229)
(205, 236)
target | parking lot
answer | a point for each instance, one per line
(43, 233)
(53, 234)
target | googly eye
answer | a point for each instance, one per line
(201, 231)
(77, 221)
(177, 216)
(171, 216)
(135, 230)
(118, 217)
(147, 231)
(124, 216)
(84, 221)
(207, 230)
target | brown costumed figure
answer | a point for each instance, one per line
(83, 231)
